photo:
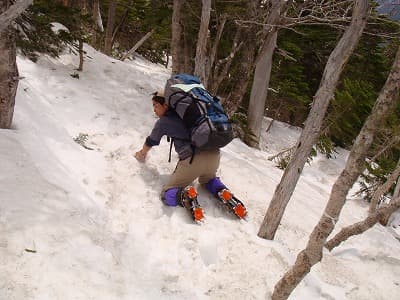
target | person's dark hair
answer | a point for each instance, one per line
(158, 97)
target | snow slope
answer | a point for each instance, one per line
(78, 223)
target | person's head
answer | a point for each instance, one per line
(159, 104)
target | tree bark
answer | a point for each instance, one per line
(80, 50)
(246, 62)
(224, 64)
(137, 45)
(202, 41)
(176, 49)
(360, 227)
(11, 13)
(312, 128)
(213, 51)
(355, 165)
(110, 27)
(262, 75)
(187, 60)
(380, 191)
(121, 23)
(97, 22)
(8, 65)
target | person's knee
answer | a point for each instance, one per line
(171, 196)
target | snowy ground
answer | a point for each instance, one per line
(79, 223)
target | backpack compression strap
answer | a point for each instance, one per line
(188, 87)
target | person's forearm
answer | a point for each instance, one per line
(145, 149)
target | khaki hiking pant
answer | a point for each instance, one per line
(204, 166)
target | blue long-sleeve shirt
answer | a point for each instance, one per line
(171, 125)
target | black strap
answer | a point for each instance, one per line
(169, 139)
(193, 152)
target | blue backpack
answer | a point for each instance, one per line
(202, 114)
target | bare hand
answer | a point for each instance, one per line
(140, 156)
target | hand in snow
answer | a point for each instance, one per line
(140, 156)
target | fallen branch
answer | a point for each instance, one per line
(381, 213)
(137, 45)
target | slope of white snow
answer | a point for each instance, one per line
(78, 223)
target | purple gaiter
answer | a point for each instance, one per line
(170, 197)
(215, 185)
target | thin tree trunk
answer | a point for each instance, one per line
(123, 19)
(262, 75)
(187, 54)
(137, 45)
(360, 227)
(176, 49)
(213, 52)
(312, 128)
(355, 165)
(11, 13)
(110, 27)
(397, 189)
(97, 22)
(80, 49)
(246, 62)
(380, 191)
(220, 75)
(386, 219)
(202, 39)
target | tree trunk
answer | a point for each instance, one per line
(380, 191)
(202, 41)
(246, 62)
(396, 194)
(262, 75)
(80, 50)
(8, 65)
(397, 188)
(110, 27)
(187, 54)
(123, 20)
(176, 49)
(9, 13)
(213, 52)
(355, 165)
(364, 225)
(224, 64)
(137, 45)
(312, 128)
(98, 23)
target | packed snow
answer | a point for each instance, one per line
(80, 218)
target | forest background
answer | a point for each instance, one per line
(235, 37)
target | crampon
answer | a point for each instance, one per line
(189, 201)
(234, 204)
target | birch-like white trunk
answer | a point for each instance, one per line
(312, 128)
(262, 74)
(355, 165)
(201, 49)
